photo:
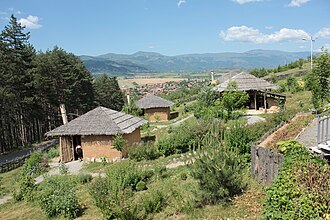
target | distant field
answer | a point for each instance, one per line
(143, 81)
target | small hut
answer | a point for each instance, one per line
(156, 108)
(95, 131)
(259, 90)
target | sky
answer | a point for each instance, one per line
(172, 27)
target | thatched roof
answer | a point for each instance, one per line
(227, 76)
(99, 121)
(152, 101)
(246, 82)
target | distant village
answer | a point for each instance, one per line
(161, 88)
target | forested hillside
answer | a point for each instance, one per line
(34, 84)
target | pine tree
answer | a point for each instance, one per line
(16, 95)
(108, 93)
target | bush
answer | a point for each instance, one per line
(26, 188)
(58, 197)
(238, 136)
(219, 169)
(140, 186)
(143, 151)
(153, 201)
(119, 142)
(113, 201)
(181, 138)
(84, 178)
(52, 153)
(301, 190)
(33, 165)
(63, 169)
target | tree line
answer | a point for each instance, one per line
(261, 72)
(33, 85)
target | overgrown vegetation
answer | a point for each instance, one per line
(301, 190)
(57, 197)
(219, 169)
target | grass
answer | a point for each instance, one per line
(299, 102)
(8, 180)
(295, 71)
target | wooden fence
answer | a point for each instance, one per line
(265, 163)
(19, 161)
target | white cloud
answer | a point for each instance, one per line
(181, 2)
(31, 22)
(323, 33)
(151, 47)
(241, 2)
(297, 3)
(249, 34)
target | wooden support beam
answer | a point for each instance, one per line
(255, 100)
(265, 101)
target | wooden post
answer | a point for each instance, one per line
(255, 100)
(128, 100)
(265, 101)
(63, 114)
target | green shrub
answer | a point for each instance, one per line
(113, 201)
(58, 197)
(219, 169)
(84, 178)
(63, 169)
(26, 188)
(301, 190)
(119, 142)
(140, 186)
(238, 136)
(52, 153)
(33, 165)
(181, 138)
(153, 201)
(143, 151)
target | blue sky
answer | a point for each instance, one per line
(171, 27)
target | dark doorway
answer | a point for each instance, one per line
(76, 141)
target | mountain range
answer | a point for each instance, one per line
(151, 62)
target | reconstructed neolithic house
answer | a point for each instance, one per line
(156, 108)
(95, 131)
(259, 90)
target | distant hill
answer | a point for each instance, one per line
(148, 62)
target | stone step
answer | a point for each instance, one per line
(324, 147)
(319, 151)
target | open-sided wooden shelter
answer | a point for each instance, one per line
(258, 89)
(95, 131)
(155, 107)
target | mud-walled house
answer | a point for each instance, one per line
(260, 92)
(95, 132)
(155, 107)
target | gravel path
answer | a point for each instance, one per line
(308, 137)
(73, 168)
(251, 119)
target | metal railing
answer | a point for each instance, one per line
(323, 127)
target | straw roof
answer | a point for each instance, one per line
(227, 76)
(152, 101)
(246, 82)
(99, 121)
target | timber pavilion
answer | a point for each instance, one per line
(259, 90)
